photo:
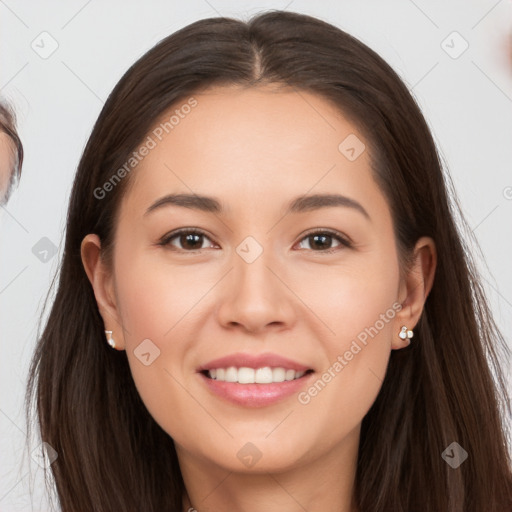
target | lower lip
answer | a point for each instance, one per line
(255, 395)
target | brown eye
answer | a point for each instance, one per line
(188, 239)
(320, 241)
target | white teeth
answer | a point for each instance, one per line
(231, 374)
(263, 375)
(278, 374)
(244, 375)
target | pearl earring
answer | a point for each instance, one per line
(405, 333)
(110, 340)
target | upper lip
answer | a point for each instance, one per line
(240, 360)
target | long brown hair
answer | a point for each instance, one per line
(447, 386)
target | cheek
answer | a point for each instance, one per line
(156, 303)
(360, 311)
(352, 298)
(153, 297)
(346, 388)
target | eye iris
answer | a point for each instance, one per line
(191, 240)
(323, 237)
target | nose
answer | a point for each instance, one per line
(255, 295)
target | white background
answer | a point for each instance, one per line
(467, 101)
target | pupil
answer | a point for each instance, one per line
(190, 240)
(323, 237)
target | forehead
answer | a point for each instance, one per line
(246, 117)
(251, 144)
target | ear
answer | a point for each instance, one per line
(102, 283)
(415, 288)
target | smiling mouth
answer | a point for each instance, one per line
(263, 375)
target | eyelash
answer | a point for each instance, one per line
(165, 240)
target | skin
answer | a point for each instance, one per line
(6, 163)
(255, 150)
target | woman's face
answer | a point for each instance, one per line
(264, 280)
(7, 163)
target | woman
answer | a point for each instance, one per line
(11, 152)
(260, 229)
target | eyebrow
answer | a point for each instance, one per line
(297, 205)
